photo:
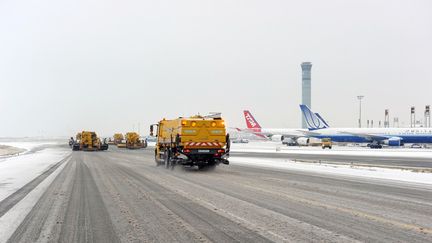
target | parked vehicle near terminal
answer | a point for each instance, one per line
(288, 141)
(326, 143)
(193, 141)
(415, 145)
(375, 145)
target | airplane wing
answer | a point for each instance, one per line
(236, 128)
(267, 134)
(247, 130)
(259, 134)
(309, 133)
(367, 136)
(290, 135)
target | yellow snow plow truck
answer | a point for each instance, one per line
(117, 138)
(194, 141)
(133, 141)
(89, 141)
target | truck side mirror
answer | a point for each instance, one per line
(151, 130)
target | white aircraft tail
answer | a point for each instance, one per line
(313, 120)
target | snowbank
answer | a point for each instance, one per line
(9, 150)
(342, 170)
(30, 144)
(15, 172)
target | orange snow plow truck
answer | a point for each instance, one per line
(193, 141)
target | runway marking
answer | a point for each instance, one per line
(11, 220)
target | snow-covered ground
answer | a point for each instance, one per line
(10, 221)
(277, 147)
(343, 170)
(29, 145)
(339, 169)
(6, 150)
(17, 171)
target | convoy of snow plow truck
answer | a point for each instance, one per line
(200, 141)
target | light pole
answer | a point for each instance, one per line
(360, 97)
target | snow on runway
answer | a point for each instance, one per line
(17, 171)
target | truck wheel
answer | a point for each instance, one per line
(157, 160)
(167, 159)
(172, 163)
(75, 147)
(228, 142)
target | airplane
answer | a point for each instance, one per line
(375, 137)
(289, 136)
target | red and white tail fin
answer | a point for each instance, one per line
(251, 122)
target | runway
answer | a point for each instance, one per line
(121, 196)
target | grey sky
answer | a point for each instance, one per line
(106, 65)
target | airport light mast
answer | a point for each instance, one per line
(360, 97)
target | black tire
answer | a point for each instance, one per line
(75, 147)
(228, 143)
(177, 140)
(157, 159)
(167, 159)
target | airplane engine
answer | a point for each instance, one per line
(394, 141)
(303, 141)
(277, 138)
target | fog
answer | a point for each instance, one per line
(108, 65)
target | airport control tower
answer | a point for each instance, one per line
(306, 87)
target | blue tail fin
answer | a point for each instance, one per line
(313, 120)
(322, 119)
